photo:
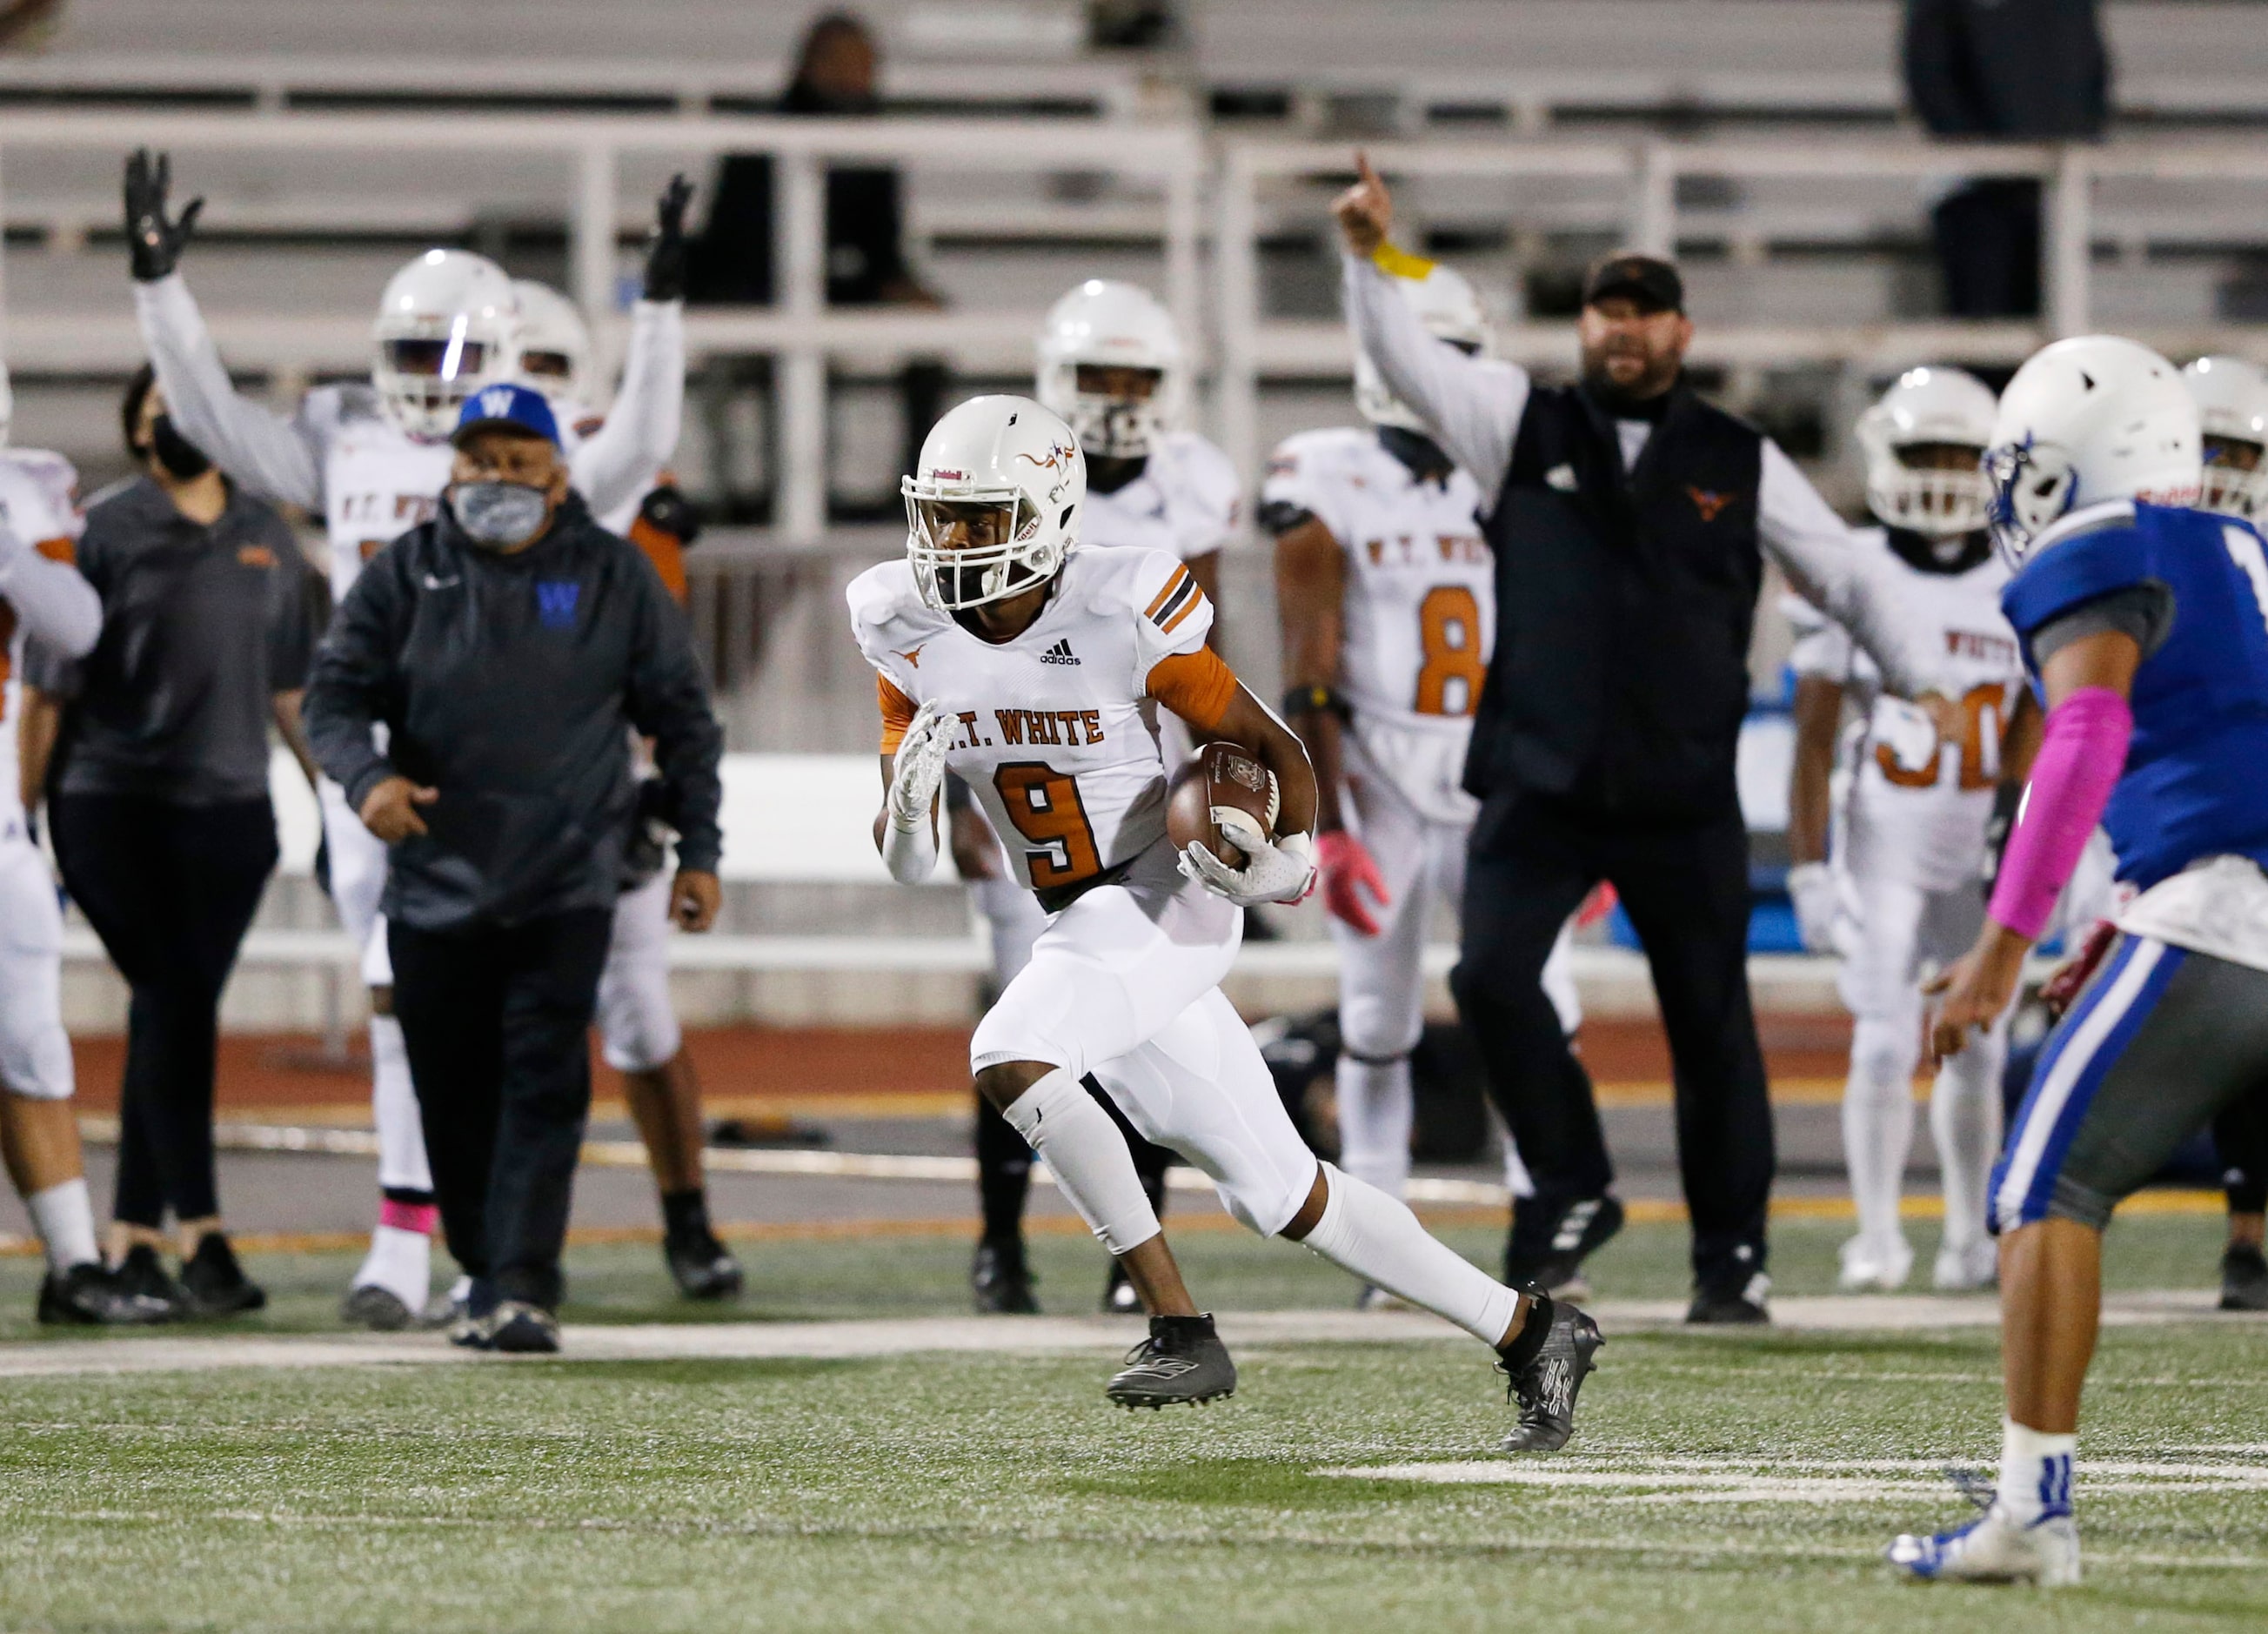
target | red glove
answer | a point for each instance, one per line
(1347, 872)
(2062, 988)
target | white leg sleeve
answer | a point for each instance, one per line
(1878, 984)
(394, 1104)
(1199, 1087)
(637, 1021)
(1089, 1157)
(1382, 993)
(1380, 1240)
(1376, 1117)
(64, 1216)
(1964, 1121)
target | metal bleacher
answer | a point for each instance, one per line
(1760, 139)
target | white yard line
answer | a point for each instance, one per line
(1035, 1334)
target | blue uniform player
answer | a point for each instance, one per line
(2145, 625)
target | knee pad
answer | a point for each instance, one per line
(1883, 1055)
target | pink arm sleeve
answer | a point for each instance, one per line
(2082, 756)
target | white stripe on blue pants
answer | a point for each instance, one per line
(2078, 1057)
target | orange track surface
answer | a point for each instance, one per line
(922, 1065)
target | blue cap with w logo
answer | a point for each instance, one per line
(516, 406)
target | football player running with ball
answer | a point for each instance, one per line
(969, 637)
(371, 461)
(1387, 595)
(1911, 831)
(2144, 623)
(1111, 367)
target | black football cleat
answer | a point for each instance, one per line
(217, 1283)
(1182, 1360)
(376, 1309)
(518, 1328)
(1545, 1385)
(701, 1265)
(1556, 1264)
(1118, 1296)
(999, 1281)
(2244, 1278)
(1731, 1304)
(90, 1295)
(143, 1273)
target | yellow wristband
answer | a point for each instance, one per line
(1392, 258)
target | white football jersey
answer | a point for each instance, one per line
(1911, 813)
(39, 502)
(1186, 501)
(1058, 736)
(379, 481)
(1419, 619)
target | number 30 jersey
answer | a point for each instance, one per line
(1059, 728)
(1915, 810)
(1418, 617)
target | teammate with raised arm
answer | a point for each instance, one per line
(637, 1023)
(966, 635)
(1112, 366)
(2145, 625)
(43, 599)
(1901, 892)
(1386, 598)
(372, 461)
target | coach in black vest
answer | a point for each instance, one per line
(1630, 521)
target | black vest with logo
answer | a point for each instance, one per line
(1624, 611)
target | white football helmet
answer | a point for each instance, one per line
(2232, 400)
(1106, 324)
(2091, 418)
(445, 329)
(993, 509)
(554, 352)
(1445, 303)
(1930, 405)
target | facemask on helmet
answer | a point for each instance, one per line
(1450, 311)
(552, 344)
(2088, 420)
(445, 329)
(1110, 367)
(993, 509)
(1925, 444)
(2232, 400)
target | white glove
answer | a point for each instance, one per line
(909, 833)
(1811, 888)
(1907, 731)
(1283, 871)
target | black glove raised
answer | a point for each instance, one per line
(667, 509)
(664, 251)
(154, 243)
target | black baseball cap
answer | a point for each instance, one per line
(1648, 280)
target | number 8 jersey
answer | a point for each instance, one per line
(1915, 811)
(1058, 735)
(1418, 617)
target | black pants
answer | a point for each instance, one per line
(170, 890)
(1988, 248)
(1686, 889)
(2240, 1135)
(496, 1023)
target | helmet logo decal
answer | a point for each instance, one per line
(1059, 456)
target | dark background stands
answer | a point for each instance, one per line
(2011, 70)
(157, 797)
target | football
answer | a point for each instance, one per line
(1219, 791)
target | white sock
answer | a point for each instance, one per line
(1964, 1121)
(1089, 1157)
(400, 1262)
(64, 1218)
(1878, 1118)
(1378, 1239)
(401, 1163)
(2036, 1470)
(1374, 1120)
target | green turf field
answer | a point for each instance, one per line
(1717, 1483)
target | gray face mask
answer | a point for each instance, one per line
(498, 515)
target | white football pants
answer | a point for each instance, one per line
(35, 1058)
(637, 1021)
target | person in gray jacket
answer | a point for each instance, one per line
(508, 646)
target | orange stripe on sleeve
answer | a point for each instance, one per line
(59, 549)
(1196, 685)
(897, 712)
(1166, 594)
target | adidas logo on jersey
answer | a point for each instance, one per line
(1059, 653)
